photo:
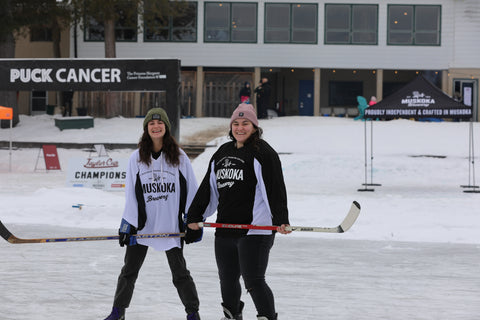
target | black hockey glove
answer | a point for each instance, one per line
(125, 234)
(192, 236)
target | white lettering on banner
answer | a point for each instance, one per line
(418, 102)
(30, 75)
(63, 75)
(461, 111)
(371, 112)
(417, 99)
(432, 112)
(145, 75)
(397, 112)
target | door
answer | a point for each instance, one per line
(305, 98)
(465, 91)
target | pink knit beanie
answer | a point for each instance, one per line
(245, 111)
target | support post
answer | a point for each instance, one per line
(199, 93)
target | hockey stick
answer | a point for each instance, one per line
(346, 224)
(7, 235)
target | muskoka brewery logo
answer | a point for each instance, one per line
(228, 173)
(158, 186)
(418, 99)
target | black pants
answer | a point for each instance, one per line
(134, 257)
(247, 257)
(262, 110)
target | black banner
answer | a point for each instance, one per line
(89, 74)
(419, 99)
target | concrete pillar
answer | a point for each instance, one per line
(445, 87)
(199, 93)
(379, 85)
(316, 92)
(256, 80)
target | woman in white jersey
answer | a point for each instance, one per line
(244, 184)
(160, 187)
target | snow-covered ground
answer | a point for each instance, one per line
(413, 253)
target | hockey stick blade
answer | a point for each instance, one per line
(346, 224)
(7, 235)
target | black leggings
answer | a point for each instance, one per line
(246, 256)
(134, 257)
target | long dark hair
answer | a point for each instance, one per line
(170, 148)
(253, 139)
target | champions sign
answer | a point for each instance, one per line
(104, 173)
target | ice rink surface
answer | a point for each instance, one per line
(311, 279)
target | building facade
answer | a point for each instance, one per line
(38, 43)
(317, 55)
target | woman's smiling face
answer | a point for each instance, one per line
(156, 129)
(242, 129)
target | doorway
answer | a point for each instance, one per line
(305, 98)
(465, 91)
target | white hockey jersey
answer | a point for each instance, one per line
(161, 194)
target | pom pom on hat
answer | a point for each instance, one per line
(245, 111)
(157, 114)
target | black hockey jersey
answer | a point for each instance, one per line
(245, 186)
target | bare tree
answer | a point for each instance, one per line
(17, 17)
(110, 14)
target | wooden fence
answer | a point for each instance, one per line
(220, 97)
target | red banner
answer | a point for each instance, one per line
(51, 157)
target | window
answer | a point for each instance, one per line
(125, 26)
(230, 22)
(344, 93)
(291, 23)
(351, 24)
(38, 102)
(39, 33)
(181, 27)
(414, 25)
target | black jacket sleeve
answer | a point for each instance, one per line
(201, 200)
(274, 183)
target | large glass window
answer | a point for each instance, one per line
(230, 22)
(344, 93)
(291, 23)
(351, 24)
(414, 25)
(181, 27)
(125, 26)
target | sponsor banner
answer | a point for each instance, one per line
(88, 74)
(419, 112)
(50, 155)
(105, 173)
(419, 99)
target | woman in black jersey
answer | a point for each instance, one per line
(244, 183)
